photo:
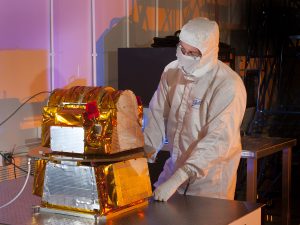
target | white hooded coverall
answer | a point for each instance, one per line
(200, 115)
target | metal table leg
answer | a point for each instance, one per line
(286, 184)
(251, 179)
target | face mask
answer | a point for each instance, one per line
(188, 64)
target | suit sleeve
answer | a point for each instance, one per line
(159, 107)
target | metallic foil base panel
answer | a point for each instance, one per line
(71, 186)
(101, 189)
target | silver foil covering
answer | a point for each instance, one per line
(67, 139)
(71, 186)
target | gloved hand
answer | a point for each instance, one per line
(168, 188)
(150, 153)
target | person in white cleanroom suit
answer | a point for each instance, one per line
(198, 106)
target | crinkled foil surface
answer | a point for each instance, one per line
(66, 107)
(70, 186)
(104, 189)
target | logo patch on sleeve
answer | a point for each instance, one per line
(196, 103)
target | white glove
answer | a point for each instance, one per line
(150, 153)
(164, 191)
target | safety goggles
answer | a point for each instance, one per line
(194, 54)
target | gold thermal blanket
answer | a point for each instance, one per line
(111, 119)
(101, 189)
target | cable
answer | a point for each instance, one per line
(13, 163)
(20, 192)
(15, 173)
(14, 112)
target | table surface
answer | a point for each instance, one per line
(258, 147)
(181, 210)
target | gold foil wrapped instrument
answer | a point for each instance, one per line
(111, 119)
